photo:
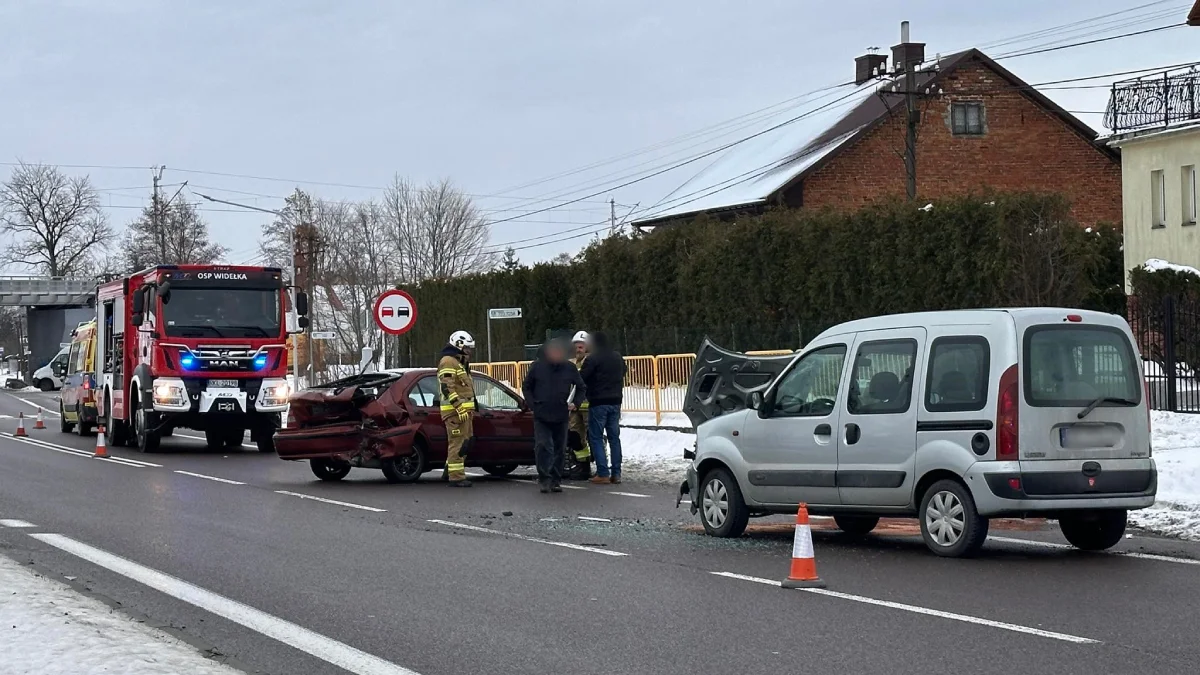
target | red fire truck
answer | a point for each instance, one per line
(194, 346)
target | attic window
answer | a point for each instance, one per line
(967, 119)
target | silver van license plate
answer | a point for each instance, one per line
(1076, 438)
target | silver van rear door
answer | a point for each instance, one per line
(1083, 397)
(722, 381)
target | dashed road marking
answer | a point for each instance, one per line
(213, 478)
(37, 405)
(921, 610)
(513, 535)
(1126, 554)
(592, 519)
(331, 501)
(310, 642)
(12, 522)
(629, 494)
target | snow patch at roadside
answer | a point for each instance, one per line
(655, 455)
(1176, 447)
(50, 629)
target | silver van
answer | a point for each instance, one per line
(952, 417)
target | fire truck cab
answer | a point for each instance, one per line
(194, 346)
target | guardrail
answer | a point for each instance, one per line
(653, 384)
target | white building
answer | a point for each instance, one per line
(1156, 123)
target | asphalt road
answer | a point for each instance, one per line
(224, 550)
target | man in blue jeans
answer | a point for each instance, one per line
(604, 379)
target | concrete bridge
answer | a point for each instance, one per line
(53, 307)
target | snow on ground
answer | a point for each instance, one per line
(49, 629)
(655, 455)
(1176, 447)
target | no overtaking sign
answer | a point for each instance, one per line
(395, 312)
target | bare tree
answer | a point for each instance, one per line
(178, 236)
(359, 261)
(54, 220)
(275, 243)
(437, 231)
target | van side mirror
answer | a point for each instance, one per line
(302, 305)
(164, 292)
(756, 400)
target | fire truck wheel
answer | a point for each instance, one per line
(143, 420)
(214, 439)
(234, 437)
(266, 444)
(329, 469)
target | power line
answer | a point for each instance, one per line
(1014, 55)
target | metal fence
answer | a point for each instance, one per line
(1168, 336)
(1157, 100)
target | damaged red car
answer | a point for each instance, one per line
(391, 421)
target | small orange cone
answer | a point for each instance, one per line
(38, 423)
(804, 565)
(101, 448)
(20, 426)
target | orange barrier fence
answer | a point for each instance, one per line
(653, 384)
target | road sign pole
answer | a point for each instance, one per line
(489, 337)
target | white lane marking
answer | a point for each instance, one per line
(629, 494)
(37, 405)
(923, 610)
(81, 453)
(513, 535)
(595, 520)
(1126, 554)
(200, 475)
(12, 522)
(331, 501)
(534, 480)
(327, 649)
(119, 461)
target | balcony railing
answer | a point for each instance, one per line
(1154, 101)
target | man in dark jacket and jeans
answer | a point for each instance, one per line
(604, 376)
(553, 389)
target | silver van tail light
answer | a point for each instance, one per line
(1008, 416)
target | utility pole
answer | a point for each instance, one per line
(612, 216)
(156, 216)
(912, 115)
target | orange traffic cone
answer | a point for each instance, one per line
(101, 448)
(804, 565)
(38, 423)
(20, 425)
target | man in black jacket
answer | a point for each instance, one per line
(553, 389)
(604, 376)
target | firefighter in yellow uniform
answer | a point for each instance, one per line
(579, 454)
(458, 405)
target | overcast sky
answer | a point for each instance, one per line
(494, 95)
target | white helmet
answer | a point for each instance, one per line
(581, 336)
(462, 339)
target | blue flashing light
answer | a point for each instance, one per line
(187, 361)
(260, 362)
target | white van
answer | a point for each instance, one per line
(50, 376)
(952, 417)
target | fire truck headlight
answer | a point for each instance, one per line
(274, 394)
(170, 393)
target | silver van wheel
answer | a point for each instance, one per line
(715, 503)
(944, 518)
(950, 525)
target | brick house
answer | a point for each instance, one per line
(980, 127)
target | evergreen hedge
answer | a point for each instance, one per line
(776, 280)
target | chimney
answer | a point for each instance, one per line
(869, 66)
(907, 54)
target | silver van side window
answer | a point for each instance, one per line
(958, 374)
(810, 388)
(883, 378)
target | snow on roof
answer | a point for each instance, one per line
(751, 171)
(1158, 264)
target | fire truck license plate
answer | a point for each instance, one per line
(214, 384)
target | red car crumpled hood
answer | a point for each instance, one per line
(358, 419)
